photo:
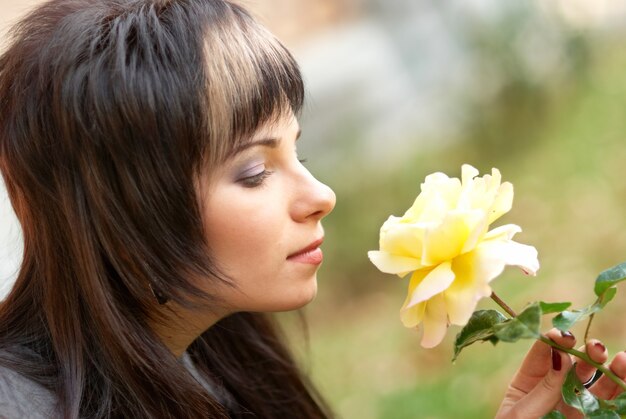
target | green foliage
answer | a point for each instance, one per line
(576, 395)
(603, 414)
(618, 404)
(524, 326)
(554, 415)
(478, 329)
(605, 290)
(567, 167)
(565, 320)
(610, 278)
(548, 308)
(493, 326)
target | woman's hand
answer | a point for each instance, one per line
(536, 388)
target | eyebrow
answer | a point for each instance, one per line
(264, 142)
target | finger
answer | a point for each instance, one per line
(537, 362)
(568, 411)
(597, 352)
(565, 339)
(605, 388)
(547, 393)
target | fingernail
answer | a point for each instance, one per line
(567, 334)
(556, 360)
(600, 346)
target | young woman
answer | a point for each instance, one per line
(149, 152)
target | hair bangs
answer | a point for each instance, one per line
(252, 80)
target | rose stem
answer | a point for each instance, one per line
(502, 304)
(570, 351)
(589, 326)
(585, 358)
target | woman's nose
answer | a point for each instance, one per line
(315, 200)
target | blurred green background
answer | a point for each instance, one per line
(399, 89)
(535, 89)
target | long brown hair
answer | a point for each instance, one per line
(110, 110)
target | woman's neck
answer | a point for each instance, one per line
(182, 326)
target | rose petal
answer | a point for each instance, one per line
(449, 239)
(478, 227)
(486, 193)
(435, 322)
(468, 173)
(505, 232)
(444, 239)
(433, 209)
(503, 202)
(439, 194)
(393, 264)
(467, 194)
(433, 283)
(468, 287)
(493, 255)
(401, 239)
(523, 256)
(412, 316)
(489, 261)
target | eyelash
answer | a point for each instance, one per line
(256, 180)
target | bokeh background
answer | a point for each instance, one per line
(402, 88)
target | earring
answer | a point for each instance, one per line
(161, 299)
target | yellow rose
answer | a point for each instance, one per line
(444, 239)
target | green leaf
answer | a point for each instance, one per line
(609, 278)
(602, 414)
(565, 320)
(577, 396)
(554, 415)
(524, 326)
(478, 328)
(606, 297)
(547, 308)
(618, 404)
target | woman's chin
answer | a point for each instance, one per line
(297, 299)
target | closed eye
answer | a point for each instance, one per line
(255, 180)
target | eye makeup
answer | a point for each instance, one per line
(252, 175)
(255, 180)
(252, 172)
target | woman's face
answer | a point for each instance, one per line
(262, 214)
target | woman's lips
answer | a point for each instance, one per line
(312, 254)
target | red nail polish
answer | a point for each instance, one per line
(556, 360)
(600, 346)
(567, 334)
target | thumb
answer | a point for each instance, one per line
(547, 393)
